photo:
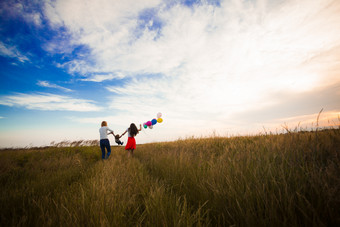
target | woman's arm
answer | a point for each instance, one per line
(140, 127)
(123, 134)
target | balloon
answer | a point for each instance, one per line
(150, 127)
(159, 120)
(148, 123)
(159, 115)
(145, 126)
(154, 121)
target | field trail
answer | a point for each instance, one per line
(266, 180)
(129, 190)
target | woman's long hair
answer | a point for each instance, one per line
(133, 130)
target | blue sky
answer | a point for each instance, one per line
(225, 67)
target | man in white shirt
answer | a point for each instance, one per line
(104, 141)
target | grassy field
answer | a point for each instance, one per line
(291, 179)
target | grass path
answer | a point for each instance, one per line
(131, 196)
(274, 180)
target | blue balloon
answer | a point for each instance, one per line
(154, 121)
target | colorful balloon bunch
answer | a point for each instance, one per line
(154, 121)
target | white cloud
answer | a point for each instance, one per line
(97, 24)
(205, 34)
(103, 77)
(45, 101)
(208, 62)
(27, 11)
(49, 85)
(12, 52)
(242, 41)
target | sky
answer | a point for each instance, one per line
(211, 67)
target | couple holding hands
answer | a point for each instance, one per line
(104, 131)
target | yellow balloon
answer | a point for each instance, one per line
(159, 120)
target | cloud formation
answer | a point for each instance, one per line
(51, 85)
(103, 77)
(230, 66)
(46, 101)
(207, 61)
(12, 52)
(237, 32)
(25, 10)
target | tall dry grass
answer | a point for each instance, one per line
(286, 180)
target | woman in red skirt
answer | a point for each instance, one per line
(131, 143)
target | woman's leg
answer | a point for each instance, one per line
(130, 152)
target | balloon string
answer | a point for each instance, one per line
(143, 129)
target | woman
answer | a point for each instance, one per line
(104, 141)
(131, 143)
